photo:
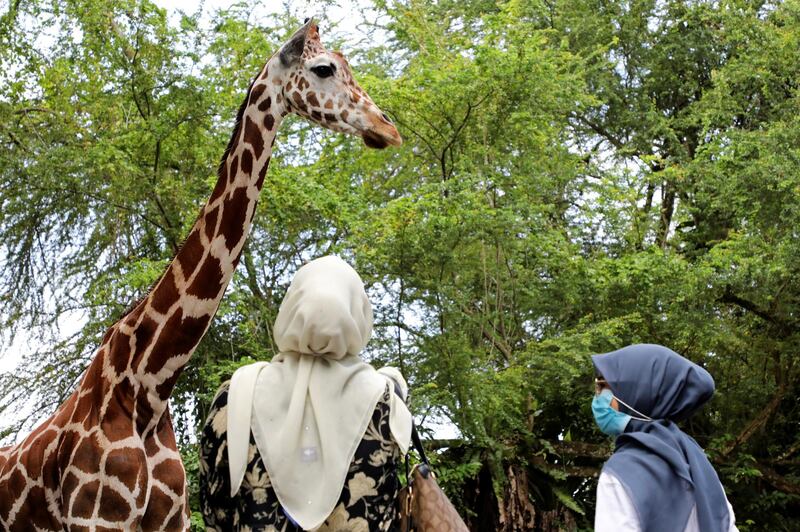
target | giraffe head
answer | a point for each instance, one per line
(318, 85)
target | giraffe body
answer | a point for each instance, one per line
(107, 458)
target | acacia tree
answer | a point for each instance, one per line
(576, 176)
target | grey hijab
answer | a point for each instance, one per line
(665, 472)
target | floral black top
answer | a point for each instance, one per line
(367, 502)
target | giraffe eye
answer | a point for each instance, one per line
(323, 71)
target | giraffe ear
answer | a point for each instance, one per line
(293, 49)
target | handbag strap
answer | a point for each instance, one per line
(418, 445)
(415, 440)
(425, 468)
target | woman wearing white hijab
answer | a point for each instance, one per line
(310, 440)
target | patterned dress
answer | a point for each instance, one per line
(367, 502)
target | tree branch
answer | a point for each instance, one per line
(729, 297)
(778, 481)
(756, 423)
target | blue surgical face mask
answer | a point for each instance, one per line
(610, 421)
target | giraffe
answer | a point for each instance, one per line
(107, 458)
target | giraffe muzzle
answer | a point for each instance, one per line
(382, 134)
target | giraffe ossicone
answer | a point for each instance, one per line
(107, 458)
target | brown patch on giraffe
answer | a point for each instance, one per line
(302, 84)
(234, 169)
(255, 94)
(269, 122)
(143, 410)
(235, 141)
(117, 424)
(211, 222)
(130, 320)
(165, 388)
(316, 115)
(298, 101)
(122, 397)
(262, 174)
(6, 502)
(107, 335)
(175, 522)
(208, 281)
(329, 104)
(178, 336)
(88, 454)
(158, 508)
(188, 257)
(279, 98)
(86, 406)
(288, 86)
(247, 162)
(93, 372)
(30, 516)
(125, 464)
(62, 415)
(69, 439)
(222, 182)
(166, 293)
(151, 447)
(264, 105)
(14, 488)
(344, 115)
(35, 457)
(252, 135)
(68, 485)
(234, 214)
(113, 507)
(83, 506)
(330, 117)
(144, 336)
(166, 470)
(356, 97)
(119, 351)
(311, 98)
(164, 431)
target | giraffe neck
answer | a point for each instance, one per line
(153, 343)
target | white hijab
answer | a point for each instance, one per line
(309, 408)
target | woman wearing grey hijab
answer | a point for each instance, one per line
(658, 479)
(311, 439)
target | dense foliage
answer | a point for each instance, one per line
(577, 176)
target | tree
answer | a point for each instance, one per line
(576, 176)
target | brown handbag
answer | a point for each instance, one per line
(423, 505)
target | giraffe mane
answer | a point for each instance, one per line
(237, 127)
